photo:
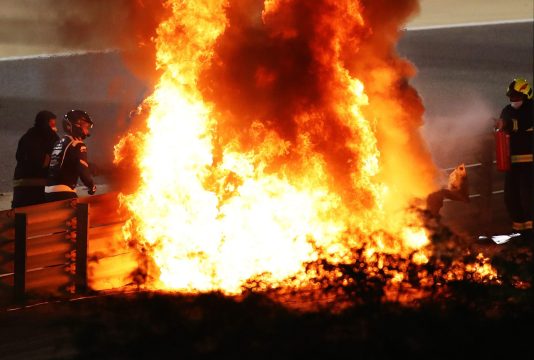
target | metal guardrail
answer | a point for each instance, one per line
(482, 211)
(63, 248)
(486, 165)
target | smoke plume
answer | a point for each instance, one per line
(277, 63)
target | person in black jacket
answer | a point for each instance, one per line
(517, 120)
(33, 157)
(69, 159)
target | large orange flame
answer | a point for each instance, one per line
(280, 133)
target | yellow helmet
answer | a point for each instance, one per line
(519, 87)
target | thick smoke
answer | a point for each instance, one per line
(393, 102)
(125, 25)
(450, 144)
(281, 64)
(276, 62)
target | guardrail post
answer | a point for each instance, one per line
(19, 289)
(486, 187)
(82, 231)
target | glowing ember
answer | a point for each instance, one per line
(280, 134)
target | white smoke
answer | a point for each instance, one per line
(463, 135)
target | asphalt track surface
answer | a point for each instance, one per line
(462, 76)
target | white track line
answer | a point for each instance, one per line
(469, 24)
(50, 56)
(415, 28)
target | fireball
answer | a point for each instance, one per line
(281, 133)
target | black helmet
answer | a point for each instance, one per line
(73, 123)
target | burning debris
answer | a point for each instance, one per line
(457, 189)
(281, 149)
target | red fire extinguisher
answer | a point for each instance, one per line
(502, 147)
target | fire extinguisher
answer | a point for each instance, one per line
(502, 147)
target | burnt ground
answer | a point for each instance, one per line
(152, 326)
(456, 319)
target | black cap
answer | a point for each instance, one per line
(43, 117)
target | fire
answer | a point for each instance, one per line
(252, 167)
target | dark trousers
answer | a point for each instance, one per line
(518, 194)
(60, 195)
(27, 195)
